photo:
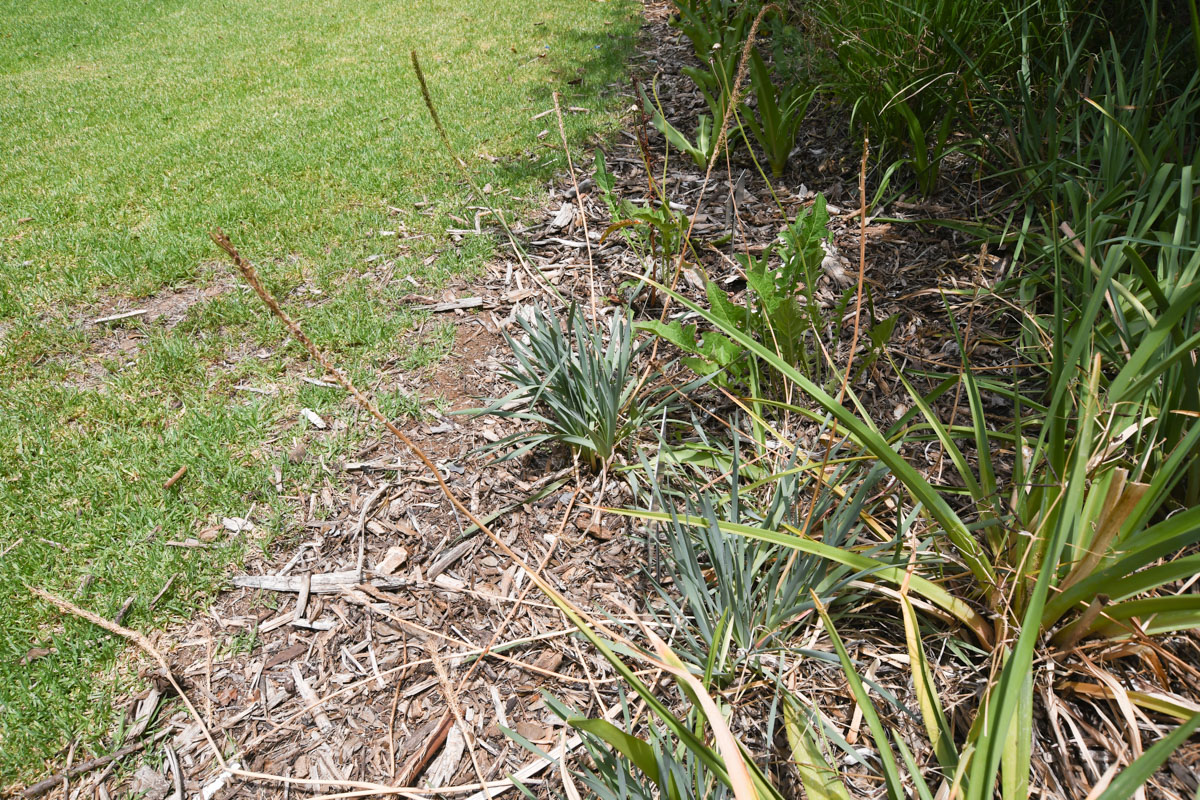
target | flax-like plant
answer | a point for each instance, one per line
(742, 597)
(576, 388)
(901, 70)
(673, 761)
(1127, 229)
(778, 113)
(821, 779)
(1071, 519)
(624, 766)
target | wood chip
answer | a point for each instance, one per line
(237, 524)
(445, 766)
(311, 700)
(448, 559)
(395, 558)
(314, 418)
(453, 305)
(123, 315)
(302, 599)
(324, 583)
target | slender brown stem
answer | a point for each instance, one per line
(251, 275)
(587, 239)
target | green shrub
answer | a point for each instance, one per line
(1073, 531)
(1102, 150)
(783, 312)
(1076, 517)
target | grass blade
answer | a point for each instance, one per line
(819, 779)
(866, 435)
(891, 770)
(936, 725)
(1137, 773)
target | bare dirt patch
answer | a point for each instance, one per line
(469, 373)
(116, 328)
(166, 308)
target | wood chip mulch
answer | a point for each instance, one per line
(352, 652)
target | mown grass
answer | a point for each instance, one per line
(129, 129)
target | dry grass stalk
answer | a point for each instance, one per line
(534, 274)
(141, 641)
(577, 615)
(587, 239)
(363, 788)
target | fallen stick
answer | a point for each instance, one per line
(141, 641)
(179, 473)
(420, 759)
(42, 787)
(118, 317)
(358, 788)
(453, 305)
(313, 700)
(335, 582)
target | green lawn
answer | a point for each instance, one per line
(128, 128)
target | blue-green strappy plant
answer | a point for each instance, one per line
(576, 388)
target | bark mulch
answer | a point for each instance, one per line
(385, 642)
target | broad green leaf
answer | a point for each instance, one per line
(727, 312)
(941, 737)
(678, 334)
(891, 771)
(1018, 749)
(819, 779)
(628, 745)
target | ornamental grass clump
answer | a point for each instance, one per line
(576, 388)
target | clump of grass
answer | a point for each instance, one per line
(909, 70)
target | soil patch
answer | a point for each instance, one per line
(116, 328)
